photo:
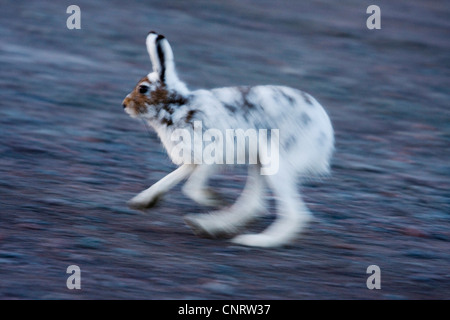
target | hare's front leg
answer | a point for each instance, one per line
(149, 197)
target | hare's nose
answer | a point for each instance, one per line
(125, 101)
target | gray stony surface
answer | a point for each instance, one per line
(70, 157)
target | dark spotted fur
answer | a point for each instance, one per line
(305, 119)
(307, 98)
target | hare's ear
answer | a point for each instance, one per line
(161, 55)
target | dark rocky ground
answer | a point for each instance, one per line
(70, 158)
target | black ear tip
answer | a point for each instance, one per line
(159, 36)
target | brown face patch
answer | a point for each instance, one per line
(134, 105)
(135, 102)
(157, 97)
(138, 102)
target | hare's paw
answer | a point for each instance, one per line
(257, 240)
(210, 225)
(144, 201)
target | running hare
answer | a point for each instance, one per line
(298, 123)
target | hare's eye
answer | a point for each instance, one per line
(143, 89)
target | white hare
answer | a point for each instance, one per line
(305, 135)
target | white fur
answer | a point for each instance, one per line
(146, 197)
(171, 76)
(306, 146)
(151, 49)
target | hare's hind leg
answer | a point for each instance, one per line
(196, 187)
(150, 196)
(229, 221)
(292, 214)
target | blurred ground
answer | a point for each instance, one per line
(70, 158)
